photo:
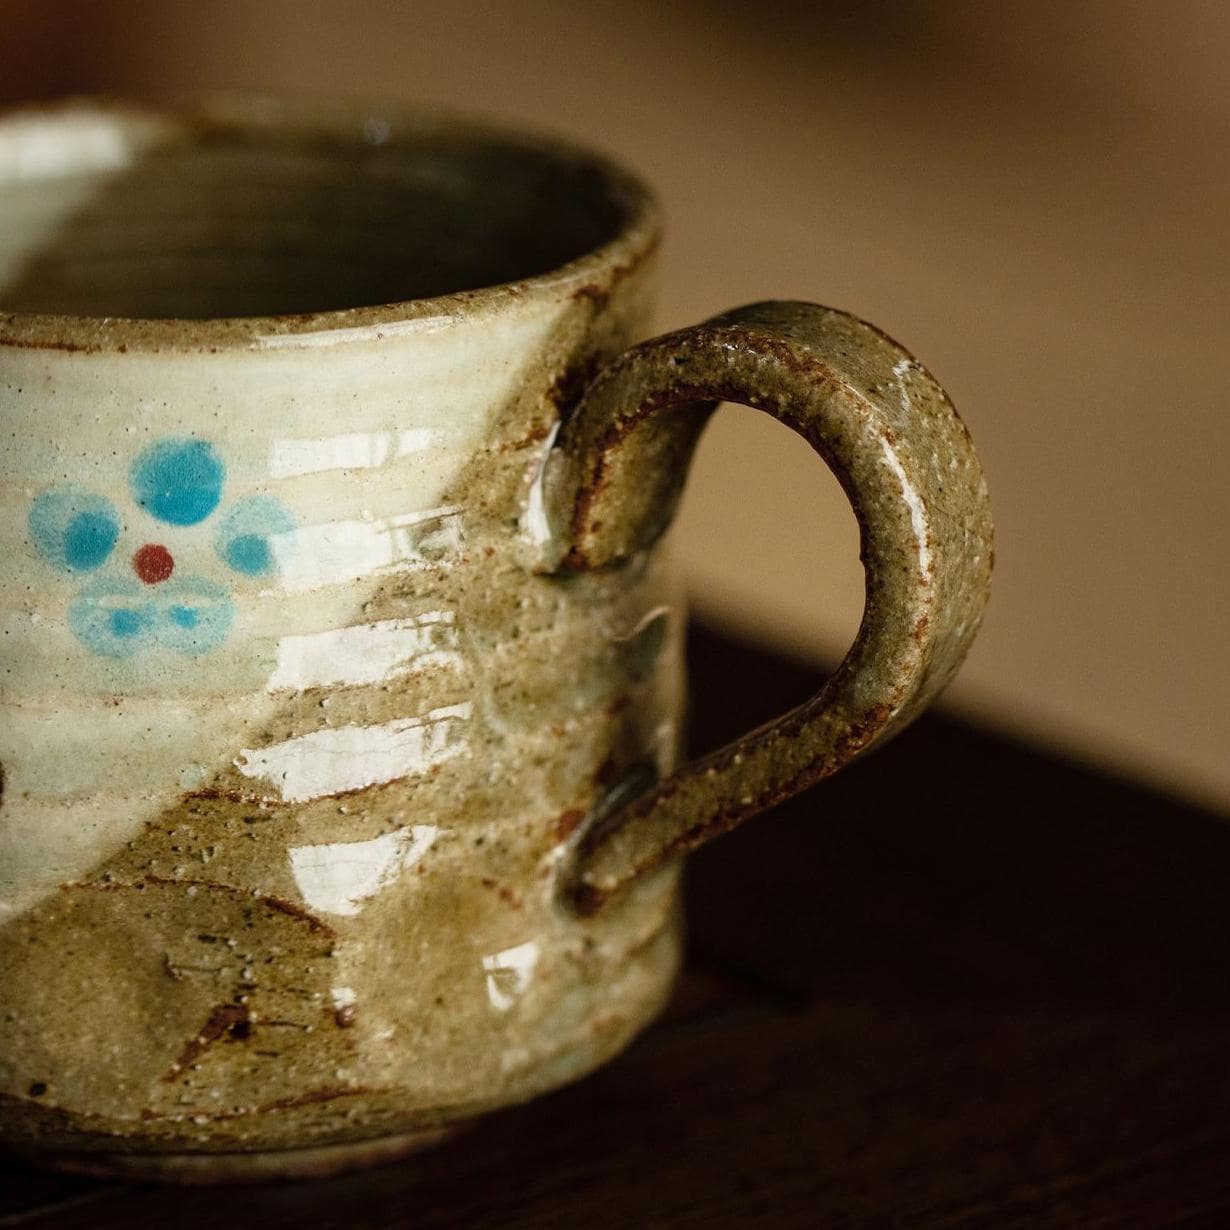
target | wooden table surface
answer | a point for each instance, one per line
(963, 984)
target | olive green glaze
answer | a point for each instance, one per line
(904, 458)
(230, 946)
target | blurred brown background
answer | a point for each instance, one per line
(1033, 197)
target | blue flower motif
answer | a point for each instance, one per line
(178, 481)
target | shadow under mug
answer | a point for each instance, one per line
(342, 669)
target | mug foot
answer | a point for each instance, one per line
(321, 1162)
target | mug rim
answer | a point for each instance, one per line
(635, 237)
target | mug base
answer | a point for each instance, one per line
(272, 1165)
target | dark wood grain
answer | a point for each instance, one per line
(963, 984)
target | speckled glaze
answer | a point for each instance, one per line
(341, 653)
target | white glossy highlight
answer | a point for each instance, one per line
(364, 653)
(657, 612)
(918, 514)
(509, 973)
(338, 878)
(348, 335)
(359, 450)
(36, 147)
(537, 525)
(351, 757)
(341, 552)
(900, 368)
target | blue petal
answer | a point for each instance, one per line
(194, 615)
(246, 535)
(113, 617)
(74, 530)
(178, 480)
(250, 554)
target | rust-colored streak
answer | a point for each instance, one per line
(566, 390)
(225, 1018)
(279, 904)
(317, 1095)
(535, 435)
(289, 1102)
(600, 295)
(566, 824)
(217, 794)
(597, 295)
(298, 912)
(26, 343)
(274, 903)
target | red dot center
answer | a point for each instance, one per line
(153, 563)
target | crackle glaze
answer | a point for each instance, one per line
(293, 737)
(341, 670)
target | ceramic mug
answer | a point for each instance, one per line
(341, 659)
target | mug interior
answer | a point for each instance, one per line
(109, 212)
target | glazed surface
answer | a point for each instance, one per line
(294, 738)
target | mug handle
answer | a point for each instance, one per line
(905, 460)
